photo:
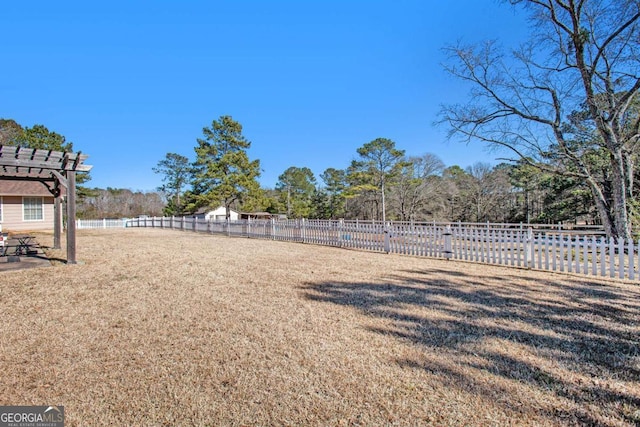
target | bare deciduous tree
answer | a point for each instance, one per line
(413, 188)
(562, 99)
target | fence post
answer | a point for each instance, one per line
(528, 249)
(447, 243)
(273, 229)
(387, 238)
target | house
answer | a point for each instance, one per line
(25, 206)
(220, 214)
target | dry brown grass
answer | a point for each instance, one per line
(173, 328)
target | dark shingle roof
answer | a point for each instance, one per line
(10, 187)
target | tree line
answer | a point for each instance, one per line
(382, 183)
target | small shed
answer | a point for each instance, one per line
(220, 214)
(256, 215)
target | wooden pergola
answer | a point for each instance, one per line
(56, 170)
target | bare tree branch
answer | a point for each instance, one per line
(558, 105)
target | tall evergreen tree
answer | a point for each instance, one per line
(380, 161)
(297, 187)
(176, 170)
(335, 185)
(223, 172)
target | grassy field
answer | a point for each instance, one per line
(164, 328)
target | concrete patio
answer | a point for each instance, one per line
(31, 256)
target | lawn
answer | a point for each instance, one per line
(160, 327)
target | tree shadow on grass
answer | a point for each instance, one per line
(590, 331)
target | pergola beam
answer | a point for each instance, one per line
(60, 179)
(42, 164)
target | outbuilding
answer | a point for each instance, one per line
(220, 214)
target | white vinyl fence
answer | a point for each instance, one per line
(585, 252)
(101, 223)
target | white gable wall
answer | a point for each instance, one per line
(220, 214)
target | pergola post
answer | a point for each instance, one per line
(71, 217)
(57, 221)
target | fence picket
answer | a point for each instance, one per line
(585, 259)
(593, 254)
(621, 262)
(612, 258)
(569, 258)
(542, 246)
(576, 256)
(554, 252)
(603, 257)
(494, 247)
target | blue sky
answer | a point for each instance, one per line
(310, 81)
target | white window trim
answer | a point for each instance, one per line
(41, 204)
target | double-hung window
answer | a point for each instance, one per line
(32, 209)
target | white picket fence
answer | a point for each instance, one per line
(551, 249)
(101, 223)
